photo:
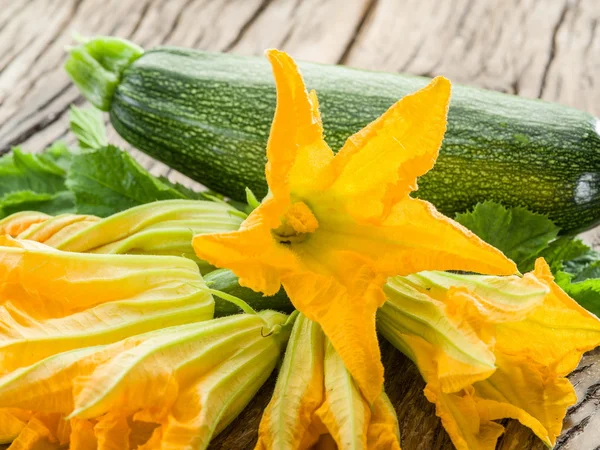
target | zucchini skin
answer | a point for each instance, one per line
(208, 115)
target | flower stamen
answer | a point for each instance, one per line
(296, 224)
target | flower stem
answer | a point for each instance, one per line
(233, 299)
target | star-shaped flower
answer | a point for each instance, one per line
(334, 227)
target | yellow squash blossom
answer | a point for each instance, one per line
(316, 402)
(333, 228)
(175, 387)
(53, 301)
(158, 228)
(116, 352)
(16, 223)
(490, 348)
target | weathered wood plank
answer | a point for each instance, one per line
(530, 47)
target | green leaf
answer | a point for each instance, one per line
(568, 253)
(59, 154)
(54, 204)
(591, 270)
(586, 293)
(87, 124)
(107, 180)
(185, 191)
(42, 172)
(519, 233)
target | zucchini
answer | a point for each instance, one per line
(208, 115)
(225, 280)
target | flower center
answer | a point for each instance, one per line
(296, 224)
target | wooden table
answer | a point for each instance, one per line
(536, 48)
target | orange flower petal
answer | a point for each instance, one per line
(344, 414)
(43, 231)
(112, 432)
(11, 424)
(252, 252)
(414, 237)
(461, 419)
(384, 430)
(17, 223)
(287, 423)
(82, 435)
(379, 165)
(528, 383)
(43, 432)
(344, 304)
(296, 128)
(55, 301)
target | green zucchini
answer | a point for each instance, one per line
(226, 281)
(208, 115)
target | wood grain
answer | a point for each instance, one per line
(546, 49)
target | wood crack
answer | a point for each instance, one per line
(175, 23)
(37, 127)
(579, 370)
(592, 394)
(57, 34)
(244, 28)
(359, 26)
(552, 55)
(588, 46)
(141, 18)
(47, 103)
(571, 433)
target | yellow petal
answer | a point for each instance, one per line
(346, 312)
(499, 299)
(69, 230)
(345, 414)
(44, 231)
(531, 393)
(379, 165)
(384, 430)
(57, 301)
(455, 352)
(199, 216)
(528, 383)
(41, 433)
(82, 435)
(287, 423)
(462, 420)
(112, 432)
(211, 401)
(560, 326)
(146, 371)
(154, 442)
(251, 253)
(317, 403)
(414, 237)
(296, 132)
(11, 424)
(17, 223)
(47, 385)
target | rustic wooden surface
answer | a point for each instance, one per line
(536, 48)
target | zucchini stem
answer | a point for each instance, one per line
(96, 66)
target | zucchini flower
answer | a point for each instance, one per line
(490, 348)
(316, 402)
(176, 387)
(159, 228)
(53, 301)
(333, 228)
